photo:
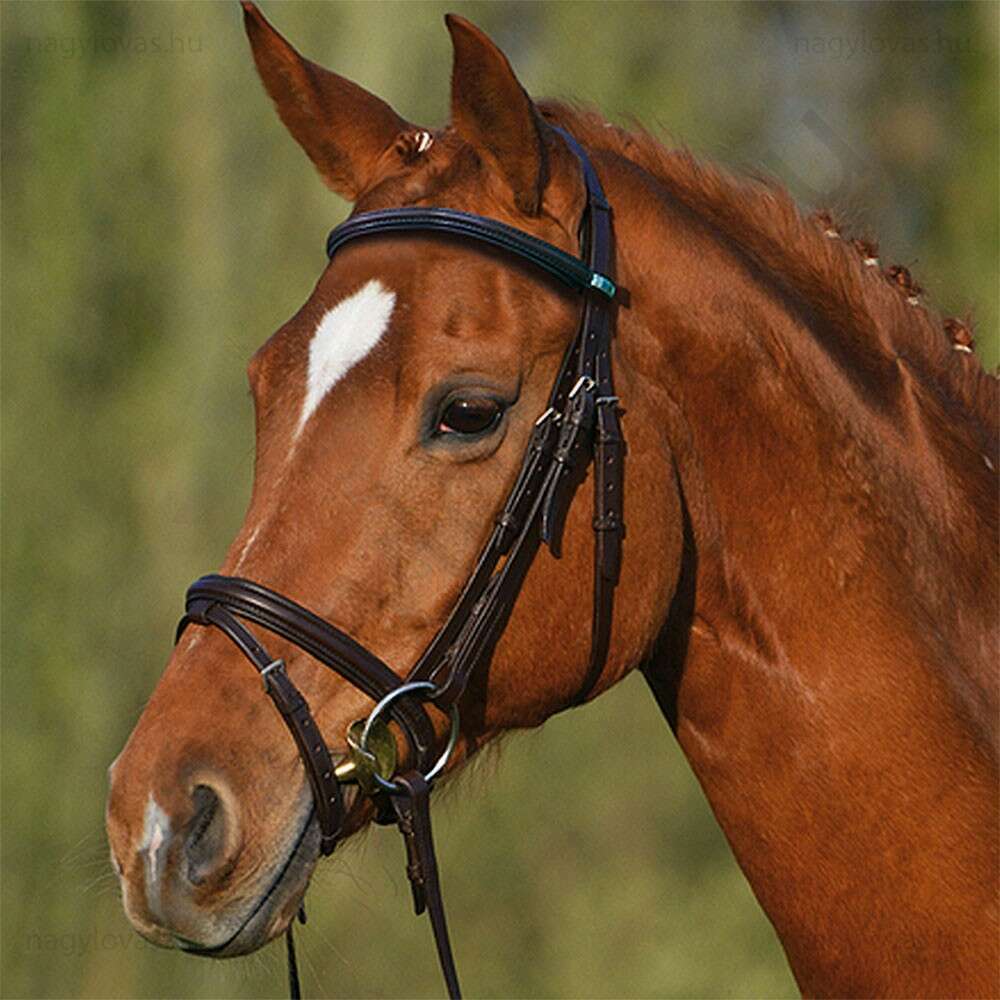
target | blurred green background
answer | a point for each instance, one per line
(158, 224)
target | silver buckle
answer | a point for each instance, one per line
(273, 665)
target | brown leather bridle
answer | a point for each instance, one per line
(579, 425)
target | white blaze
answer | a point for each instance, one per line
(343, 337)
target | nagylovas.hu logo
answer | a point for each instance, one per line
(849, 46)
(77, 943)
(79, 45)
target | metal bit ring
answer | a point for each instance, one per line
(411, 687)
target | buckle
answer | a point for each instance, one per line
(273, 665)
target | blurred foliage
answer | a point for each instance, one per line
(157, 225)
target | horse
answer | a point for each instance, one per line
(803, 557)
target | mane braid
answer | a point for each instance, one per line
(871, 311)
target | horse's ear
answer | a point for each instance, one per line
(492, 112)
(344, 129)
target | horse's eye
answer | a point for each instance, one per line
(470, 416)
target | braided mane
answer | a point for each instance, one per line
(876, 313)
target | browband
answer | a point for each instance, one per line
(568, 269)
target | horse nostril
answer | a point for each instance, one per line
(205, 842)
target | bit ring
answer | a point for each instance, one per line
(411, 687)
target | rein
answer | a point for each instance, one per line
(579, 425)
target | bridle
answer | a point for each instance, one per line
(579, 425)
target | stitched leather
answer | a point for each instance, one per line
(569, 269)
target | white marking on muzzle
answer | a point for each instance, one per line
(155, 837)
(344, 336)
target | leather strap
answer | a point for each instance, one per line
(217, 600)
(411, 803)
(581, 423)
(608, 441)
(294, 710)
(322, 641)
(571, 270)
(512, 529)
(294, 989)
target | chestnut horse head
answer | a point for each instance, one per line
(808, 579)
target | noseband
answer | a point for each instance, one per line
(579, 425)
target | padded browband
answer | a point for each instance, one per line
(568, 269)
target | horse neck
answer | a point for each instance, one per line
(827, 662)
